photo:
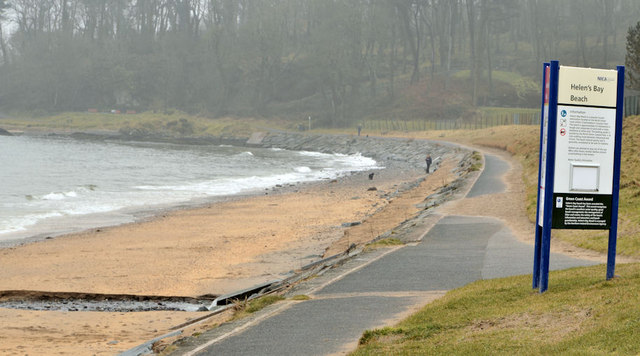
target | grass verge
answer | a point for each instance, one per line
(389, 241)
(244, 308)
(581, 314)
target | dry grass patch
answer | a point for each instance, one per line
(555, 326)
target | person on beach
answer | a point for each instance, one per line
(359, 129)
(428, 161)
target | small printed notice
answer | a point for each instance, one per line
(591, 133)
(584, 150)
(583, 212)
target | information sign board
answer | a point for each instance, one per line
(580, 148)
(585, 141)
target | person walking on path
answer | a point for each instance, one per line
(428, 161)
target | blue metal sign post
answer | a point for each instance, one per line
(579, 166)
(613, 230)
(543, 122)
(547, 166)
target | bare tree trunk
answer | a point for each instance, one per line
(433, 55)
(606, 30)
(414, 43)
(473, 76)
(415, 76)
(486, 43)
(3, 47)
(450, 35)
(583, 41)
(392, 63)
(489, 64)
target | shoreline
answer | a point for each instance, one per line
(400, 157)
(132, 216)
(43, 230)
(46, 230)
(216, 248)
(354, 190)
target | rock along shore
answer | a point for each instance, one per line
(392, 152)
(409, 151)
(383, 149)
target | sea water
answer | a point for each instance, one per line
(52, 185)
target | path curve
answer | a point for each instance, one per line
(382, 287)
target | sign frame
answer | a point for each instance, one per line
(591, 196)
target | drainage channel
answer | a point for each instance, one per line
(85, 302)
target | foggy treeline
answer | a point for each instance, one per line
(334, 58)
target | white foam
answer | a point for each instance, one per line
(314, 154)
(22, 223)
(356, 160)
(335, 165)
(90, 208)
(59, 195)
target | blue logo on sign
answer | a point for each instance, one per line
(563, 113)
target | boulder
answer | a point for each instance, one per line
(4, 132)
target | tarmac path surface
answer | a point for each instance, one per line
(383, 287)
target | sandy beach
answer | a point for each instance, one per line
(219, 248)
(214, 249)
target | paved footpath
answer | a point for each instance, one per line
(383, 286)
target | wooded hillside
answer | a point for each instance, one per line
(339, 60)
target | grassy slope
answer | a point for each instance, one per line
(580, 314)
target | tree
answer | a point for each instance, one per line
(3, 48)
(410, 13)
(607, 25)
(471, 18)
(338, 60)
(632, 58)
